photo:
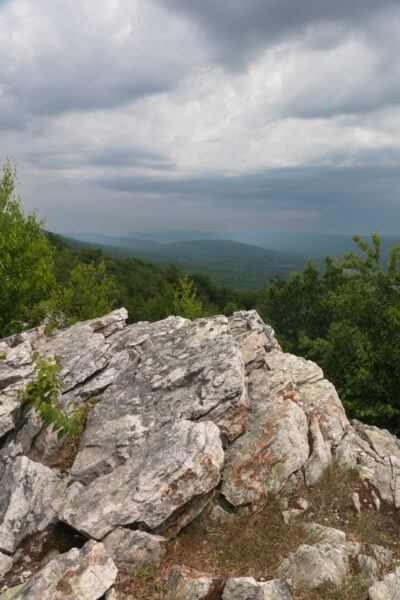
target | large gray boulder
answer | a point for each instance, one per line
(27, 490)
(180, 462)
(322, 564)
(180, 405)
(195, 373)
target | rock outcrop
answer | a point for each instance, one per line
(181, 409)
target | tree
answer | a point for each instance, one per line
(26, 257)
(89, 293)
(186, 304)
(347, 319)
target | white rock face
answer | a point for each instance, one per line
(274, 445)
(180, 462)
(194, 373)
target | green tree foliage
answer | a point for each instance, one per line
(26, 258)
(347, 319)
(90, 292)
(186, 303)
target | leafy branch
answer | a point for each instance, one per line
(43, 394)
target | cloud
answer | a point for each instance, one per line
(180, 113)
(239, 31)
(367, 196)
(59, 57)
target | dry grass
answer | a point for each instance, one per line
(255, 544)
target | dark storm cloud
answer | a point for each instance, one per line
(108, 157)
(364, 197)
(240, 29)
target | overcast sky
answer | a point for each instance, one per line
(142, 115)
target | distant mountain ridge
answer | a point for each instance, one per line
(243, 259)
(238, 265)
(307, 243)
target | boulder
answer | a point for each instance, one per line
(248, 588)
(322, 564)
(274, 445)
(15, 372)
(254, 338)
(388, 589)
(382, 555)
(195, 373)
(27, 490)
(180, 462)
(325, 535)
(134, 549)
(190, 584)
(86, 573)
(369, 569)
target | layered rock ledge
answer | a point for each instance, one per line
(182, 408)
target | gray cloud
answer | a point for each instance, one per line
(240, 30)
(151, 114)
(74, 58)
(368, 197)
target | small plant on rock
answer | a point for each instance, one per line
(43, 394)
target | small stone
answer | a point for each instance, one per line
(312, 566)
(376, 501)
(218, 514)
(52, 553)
(134, 549)
(189, 584)
(291, 515)
(303, 504)
(355, 498)
(6, 562)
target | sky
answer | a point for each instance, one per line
(147, 115)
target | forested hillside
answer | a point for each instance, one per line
(346, 316)
(227, 262)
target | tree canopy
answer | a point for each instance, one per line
(26, 258)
